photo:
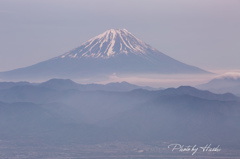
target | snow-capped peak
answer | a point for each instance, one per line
(108, 44)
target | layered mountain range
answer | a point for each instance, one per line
(228, 82)
(115, 51)
(58, 112)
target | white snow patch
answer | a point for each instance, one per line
(108, 39)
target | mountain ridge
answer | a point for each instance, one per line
(228, 82)
(112, 52)
(68, 84)
(49, 113)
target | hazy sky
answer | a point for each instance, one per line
(204, 33)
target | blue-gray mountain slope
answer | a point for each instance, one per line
(115, 51)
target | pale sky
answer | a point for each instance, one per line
(203, 33)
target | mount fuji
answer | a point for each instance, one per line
(115, 51)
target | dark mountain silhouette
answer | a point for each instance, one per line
(57, 113)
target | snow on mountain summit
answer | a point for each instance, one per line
(115, 51)
(108, 44)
